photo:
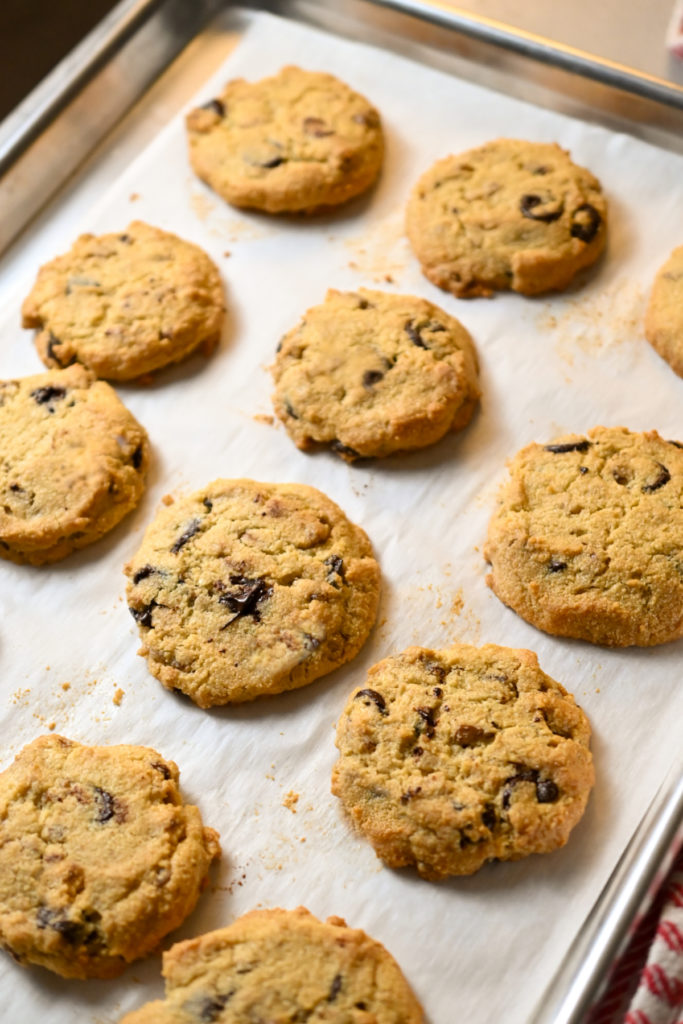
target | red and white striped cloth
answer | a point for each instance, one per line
(646, 982)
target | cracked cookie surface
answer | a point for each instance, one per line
(72, 464)
(125, 304)
(278, 966)
(507, 215)
(664, 318)
(587, 536)
(294, 142)
(247, 588)
(450, 758)
(370, 373)
(99, 857)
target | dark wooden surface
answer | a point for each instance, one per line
(35, 35)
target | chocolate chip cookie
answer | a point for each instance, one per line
(369, 373)
(455, 757)
(125, 304)
(509, 214)
(282, 965)
(99, 857)
(72, 464)
(664, 319)
(587, 535)
(295, 142)
(246, 588)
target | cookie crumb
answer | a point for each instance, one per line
(51, 726)
(388, 278)
(263, 418)
(66, 686)
(167, 499)
(290, 801)
(227, 254)
(133, 197)
(118, 697)
(458, 603)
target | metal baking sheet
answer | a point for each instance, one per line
(55, 233)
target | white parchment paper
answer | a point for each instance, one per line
(479, 949)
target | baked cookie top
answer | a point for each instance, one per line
(125, 304)
(454, 757)
(247, 588)
(294, 142)
(509, 214)
(664, 318)
(73, 463)
(282, 965)
(99, 857)
(370, 373)
(587, 534)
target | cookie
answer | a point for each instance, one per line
(246, 588)
(369, 373)
(73, 464)
(99, 857)
(509, 214)
(452, 758)
(587, 535)
(664, 318)
(125, 304)
(292, 143)
(282, 965)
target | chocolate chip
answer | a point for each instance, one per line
(471, 735)
(15, 487)
(437, 691)
(317, 127)
(143, 573)
(72, 932)
(546, 791)
(290, 411)
(210, 1009)
(526, 775)
(160, 767)
(371, 377)
(311, 643)
(676, 444)
(52, 343)
(336, 566)
(434, 668)
(364, 304)
(274, 161)
(335, 988)
(376, 698)
(370, 119)
(663, 478)
(427, 724)
(541, 170)
(343, 449)
(586, 227)
(124, 238)
(536, 208)
(208, 504)
(136, 457)
(555, 565)
(188, 533)
(245, 598)
(413, 333)
(143, 616)
(106, 806)
(410, 793)
(569, 446)
(488, 817)
(47, 394)
(583, 470)
(216, 105)
(418, 751)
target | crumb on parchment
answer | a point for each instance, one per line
(290, 801)
(118, 697)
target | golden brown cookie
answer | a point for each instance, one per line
(279, 966)
(247, 588)
(455, 757)
(73, 464)
(370, 373)
(587, 535)
(295, 142)
(664, 319)
(99, 857)
(125, 304)
(509, 214)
